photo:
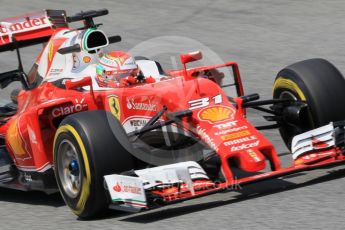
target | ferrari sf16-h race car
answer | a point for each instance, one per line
(146, 145)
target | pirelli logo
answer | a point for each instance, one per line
(235, 135)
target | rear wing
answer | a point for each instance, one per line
(30, 29)
(37, 27)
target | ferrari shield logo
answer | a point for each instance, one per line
(114, 106)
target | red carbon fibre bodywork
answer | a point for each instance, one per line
(30, 133)
(217, 122)
(25, 27)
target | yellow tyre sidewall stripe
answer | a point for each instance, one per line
(85, 190)
(283, 83)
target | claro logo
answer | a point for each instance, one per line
(69, 109)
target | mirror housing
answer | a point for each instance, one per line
(190, 57)
(85, 81)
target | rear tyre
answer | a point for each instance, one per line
(316, 82)
(88, 146)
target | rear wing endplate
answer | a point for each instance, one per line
(30, 29)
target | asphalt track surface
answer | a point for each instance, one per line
(263, 37)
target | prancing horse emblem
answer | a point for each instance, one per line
(114, 106)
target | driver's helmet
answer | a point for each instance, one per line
(113, 66)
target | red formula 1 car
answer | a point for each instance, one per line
(150, 144)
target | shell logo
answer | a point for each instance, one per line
(86, 59)
(216, 114)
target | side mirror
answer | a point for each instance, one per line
(73, 84)
(85, 81)
(190, 57)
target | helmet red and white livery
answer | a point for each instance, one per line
(113, 67)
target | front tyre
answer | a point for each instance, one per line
(85, 150)
(320, 85)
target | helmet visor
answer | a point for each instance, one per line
(116, 75)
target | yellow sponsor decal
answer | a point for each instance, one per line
(253, 155)
(235, 135)
(299, 162)
(114, 105)
(14, 139)
(216, 114)
(51, 51)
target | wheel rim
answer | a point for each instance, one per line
(288, 130)
(308, 121)
(69, 168)
(288, 95)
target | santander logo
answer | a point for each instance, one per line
(26, 24)
(126, 187)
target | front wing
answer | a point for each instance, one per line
(163, 185)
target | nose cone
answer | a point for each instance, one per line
(251, 160)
